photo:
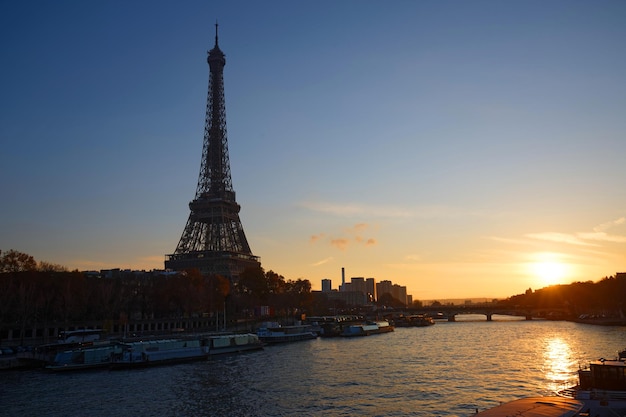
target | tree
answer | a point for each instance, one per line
(275, 282)
(26, 296)
(14, 261)
(50, 267)
(299, 292)
(218, 289)
(253, 285)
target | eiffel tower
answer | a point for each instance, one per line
(213, 240)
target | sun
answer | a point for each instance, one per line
(549, 272)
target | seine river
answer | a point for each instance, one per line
(450, 369)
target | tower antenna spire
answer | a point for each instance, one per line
(216, 25)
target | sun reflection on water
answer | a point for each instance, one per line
(559, 367)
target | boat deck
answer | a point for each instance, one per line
(536, 407)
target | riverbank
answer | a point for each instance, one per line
(602, 321)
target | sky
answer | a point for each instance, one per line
(459, 148)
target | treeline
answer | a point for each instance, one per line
(605, 297)
(14, 261)
(32, 295)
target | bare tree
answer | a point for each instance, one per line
(14, 261)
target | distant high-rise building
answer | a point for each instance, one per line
(327, 285)
(370, 288)
(358, 284)
(383, 287)
(399, 293)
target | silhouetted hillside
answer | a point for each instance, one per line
(582, 300)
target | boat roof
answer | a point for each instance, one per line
(609, 362)
(536, 407)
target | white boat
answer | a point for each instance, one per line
(95, 356)
(602, 387)
(157, 352)
(275, 333)
(152, 352)
(233, 343)
(367, 328)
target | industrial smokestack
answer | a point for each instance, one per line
(343, 277)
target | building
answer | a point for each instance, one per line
(370, 289)
(363, 291)
(399, 293)
(384, 287)
(358, 284)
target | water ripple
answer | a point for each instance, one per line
(450, 369)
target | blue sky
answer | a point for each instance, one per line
(460, 148)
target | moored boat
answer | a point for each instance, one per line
(367, 328)
(233, 343)
(602, 387)
(536, 407)
(157, 352)
(332, 326)
(415, 320)
(601, 392)
(82, 336)
(95, 356)
(275, 333)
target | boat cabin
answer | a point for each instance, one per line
(79, 336)
(604, 374)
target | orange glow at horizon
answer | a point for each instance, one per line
(549, 269)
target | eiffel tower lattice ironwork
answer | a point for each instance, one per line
(213, 240)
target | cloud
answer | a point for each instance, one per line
(315, 238)
(348, 236)
(601, 236)
(340, 243)
(559, 238)
(608, 225)
(336, 209)
(323, 261)
(378, 211)
(598, 234)
(507, 240)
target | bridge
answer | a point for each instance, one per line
(490, 309)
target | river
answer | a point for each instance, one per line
(450, 369)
